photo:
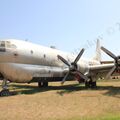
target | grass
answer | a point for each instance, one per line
(68, 102)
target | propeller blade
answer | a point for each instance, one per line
(63, 60)
(64, 79)
(79, 55)
(108, 53)
(110, 72)
(83, 76)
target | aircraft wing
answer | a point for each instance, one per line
(101, 67)
(101, 70)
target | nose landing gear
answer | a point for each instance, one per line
(5, 91)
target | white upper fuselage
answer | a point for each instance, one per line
(23, 52)
(28, 53)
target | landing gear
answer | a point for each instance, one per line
(93, 85)
(5, 90)
(87, 84)
(42, 84)
(90, 84)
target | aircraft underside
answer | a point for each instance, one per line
(25, 73)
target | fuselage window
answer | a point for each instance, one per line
(31, 51)
(44, 56)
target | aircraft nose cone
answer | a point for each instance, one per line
(2, 49)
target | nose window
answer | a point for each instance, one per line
(6, 44)
(2, 46)
(2, 43)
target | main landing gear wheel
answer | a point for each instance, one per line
(90, 84)
(5, 92)
(42, 84)
(93, 85)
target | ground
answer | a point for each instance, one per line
(68, 102)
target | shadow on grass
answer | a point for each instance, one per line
(110, 90)
(65, 89)
(27, 89)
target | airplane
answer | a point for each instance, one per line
(25, 62)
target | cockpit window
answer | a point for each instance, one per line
(10, 45)
(2, 43)
(2, 46)
(7, 44)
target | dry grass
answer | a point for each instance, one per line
(68, 102)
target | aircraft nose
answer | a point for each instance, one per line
(2, 46)
(2, 49)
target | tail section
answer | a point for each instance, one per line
(97, 56)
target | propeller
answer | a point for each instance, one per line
(73, 66)
(116, 59)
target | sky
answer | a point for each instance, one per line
(69, 25)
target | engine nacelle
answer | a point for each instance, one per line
(83, 67)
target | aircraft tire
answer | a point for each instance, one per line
(93, 84)
(5, 93)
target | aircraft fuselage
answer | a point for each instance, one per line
(21, 61)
